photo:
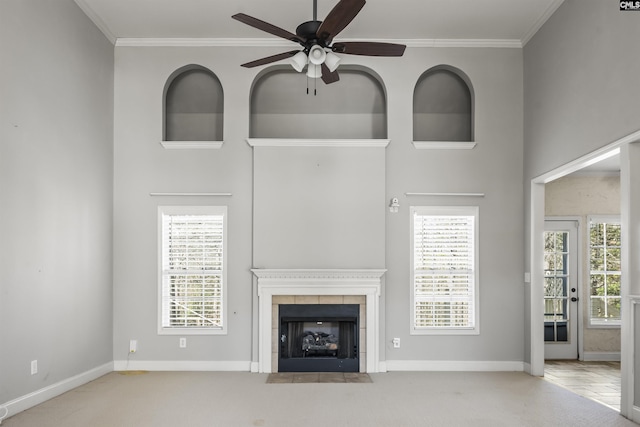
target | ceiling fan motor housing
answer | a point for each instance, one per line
(307, 30)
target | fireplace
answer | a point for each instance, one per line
(318, 338)
(276, 288)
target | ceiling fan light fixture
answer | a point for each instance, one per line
(316, 38)
(317, 55)
(298, 61)
(314, 71)
(331, 61)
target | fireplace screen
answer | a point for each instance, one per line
(318, 338)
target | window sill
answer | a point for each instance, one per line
(444, 145)
(192, 331)
(470, 331)
(604, 325)
(191, 145)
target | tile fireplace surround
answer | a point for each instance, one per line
(305, 285)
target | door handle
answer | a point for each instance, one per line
(574, 299)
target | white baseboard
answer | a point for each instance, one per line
(382, 366)
(255, 367)
(181, 365)
(601, 356)
(450, 365)
(635, 414)
(527, 368)
(39, 396)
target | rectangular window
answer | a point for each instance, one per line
(604, 270)
(444, 264)
(192, 269)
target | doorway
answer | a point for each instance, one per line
(628, 155)
(561, 319)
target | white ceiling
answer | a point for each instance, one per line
(469, 20)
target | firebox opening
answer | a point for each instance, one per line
(318, 338)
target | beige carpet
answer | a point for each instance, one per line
(402, 399)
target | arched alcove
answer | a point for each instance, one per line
(443, 106)
(193, 105)
(353, 108)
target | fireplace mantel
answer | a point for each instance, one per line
(271, 282)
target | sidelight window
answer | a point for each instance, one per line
(604, 271)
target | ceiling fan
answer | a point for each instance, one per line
(316, 38)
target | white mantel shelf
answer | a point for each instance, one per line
(365, 282)
(318, 274)
(301, 142)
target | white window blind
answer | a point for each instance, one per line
(444, 268)
(192, 256)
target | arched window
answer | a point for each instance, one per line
(443, 106)
(193, 105)
(352, 108)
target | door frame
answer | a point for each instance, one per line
(534, 278)
(579, 322)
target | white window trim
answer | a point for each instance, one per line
(602, 324)
(193, 210)
(447, 210)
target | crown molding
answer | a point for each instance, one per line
(82, 4)
(269, 42)
(541, 21)
(475, 43)
(201, 42)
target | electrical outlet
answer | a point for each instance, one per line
(34, 367)
(183, 343)
(396, 343)
(133, 346)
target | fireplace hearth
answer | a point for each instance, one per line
(318, 338)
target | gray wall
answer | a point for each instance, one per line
(56, 133)
(319, 207)
(580, 90)
(142, 166)
(493, 167)
(370, 178)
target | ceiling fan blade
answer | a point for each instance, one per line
(339, 17)
(269, 28)
(270, 59)
(327, 76)
(369, 48)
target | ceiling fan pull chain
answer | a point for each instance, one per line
(315, 10)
